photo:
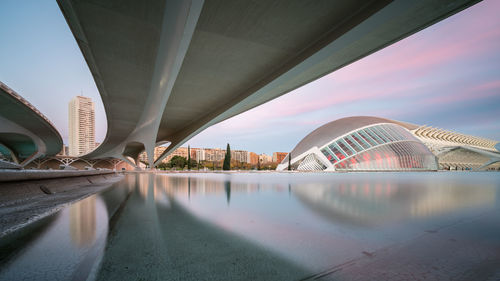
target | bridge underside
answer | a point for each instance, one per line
(166, 70)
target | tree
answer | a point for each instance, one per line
(289, 161)
(227, 159)
(189, 158)
(163, 166)
(178, 161)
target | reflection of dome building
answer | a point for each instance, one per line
(372, 201)
(361, 144)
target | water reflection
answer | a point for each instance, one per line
(359, 201)
(83, 222)
(323, 219)
(227, 188)
(373, 203)
(185, 226)
(68, 249)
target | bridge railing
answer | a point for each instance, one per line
(25, 102)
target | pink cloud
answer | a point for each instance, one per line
(460, 37)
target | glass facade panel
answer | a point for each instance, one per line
(374, 136)
(384, 132)
(337, 151)
(396, 135)
(352, 143)
(395, 149)
(344, 147)
(360, 140)
(378, 132)
(393, 156)
(329, 155)
(367, 138)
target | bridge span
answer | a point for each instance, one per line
(25, 133)
(166, 70)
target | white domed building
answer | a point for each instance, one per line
(362, 143)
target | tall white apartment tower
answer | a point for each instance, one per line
(81, 126)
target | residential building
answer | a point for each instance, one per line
(81, 126)
(253, 158)
(264, 158)
(279, 156)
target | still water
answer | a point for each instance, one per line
(269, 226)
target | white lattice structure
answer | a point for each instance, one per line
(456, 151)
(439, 140)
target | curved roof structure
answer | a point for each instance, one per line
(443, 137)
(337, 128)
(374, 143)
(166, 70)
(25, 133)
(361, 143)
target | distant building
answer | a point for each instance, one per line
(264, 158)
(81, 126)
(199, 154)
(279, 156)
(253, 158)
(239, 155)
(181, 151)
(213, 155)
(158, 151)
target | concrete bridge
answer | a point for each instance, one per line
(25, 133)
(166, 70)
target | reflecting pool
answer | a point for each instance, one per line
(269, 226)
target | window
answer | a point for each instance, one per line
(394, 133)
(344, 147)
(352, 143)
(374, 136)
(328, 155)
(367, 138)
(377, 131)
(360, 140)
(337, 151)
